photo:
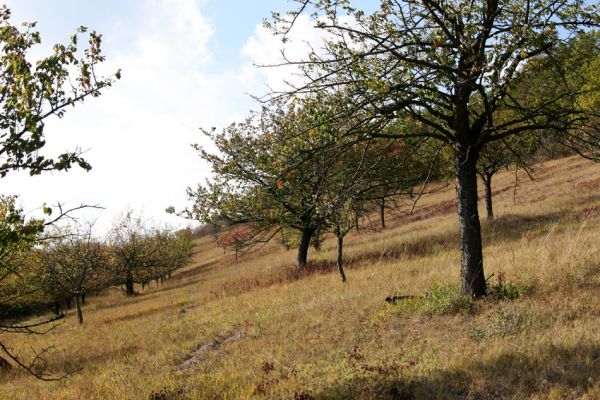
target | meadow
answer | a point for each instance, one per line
(257, 328)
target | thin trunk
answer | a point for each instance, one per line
(382, 213)
(83, 299)
(303, 247)
(487, 181)
(472, 278)
(340, 259)
(79, 312)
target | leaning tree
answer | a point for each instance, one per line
(449, 66)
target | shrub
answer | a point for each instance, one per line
(440, 299)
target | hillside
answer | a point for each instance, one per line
(256, 328)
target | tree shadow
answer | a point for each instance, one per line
(569, 370)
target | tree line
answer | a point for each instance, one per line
(57, 269)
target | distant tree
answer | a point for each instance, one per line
(514, 151)
(76, 263)
(437, 62)
(142, 253)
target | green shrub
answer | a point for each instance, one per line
(440, 299)
(445, 300)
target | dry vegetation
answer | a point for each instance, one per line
(257, 329)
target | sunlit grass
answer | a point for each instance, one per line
(275, 334)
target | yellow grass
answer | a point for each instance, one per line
(258, 331)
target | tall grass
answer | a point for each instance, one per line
(307, 336)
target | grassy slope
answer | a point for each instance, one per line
(270, 334)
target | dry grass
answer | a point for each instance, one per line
(258, 330)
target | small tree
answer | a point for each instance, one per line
(142, 253)
(265, 177)
(76, 263)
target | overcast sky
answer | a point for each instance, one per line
(185, 64)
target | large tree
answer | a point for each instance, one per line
(449, 66)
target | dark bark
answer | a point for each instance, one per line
(82, 299)
(57, 307)
(302, 259)
(472, 277)
(382, 213)
(129, 284)
(340, 258)
(79, 312)
(487, 181)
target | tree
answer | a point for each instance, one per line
(76, 263)
(29, 95)
(435, 62)
(142, 253)
(265, 176)
(494, 156)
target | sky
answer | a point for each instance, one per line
(185, 64)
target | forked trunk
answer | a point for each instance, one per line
(471, 272)
(340, 258)
(79, 312)
(303, 247)
(487, 181)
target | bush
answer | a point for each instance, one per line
(440, 299)
(445, 300)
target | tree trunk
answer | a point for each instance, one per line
(129, 284)
(79, 312)
(471, 271)
(487, 181)
(303, 247)
(340, 259)
(83, 299)
(58, 307)
(382, 213)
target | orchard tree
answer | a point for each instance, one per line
(267, 176)
(76, 263)
(31, 93)
(514, 151)
(449, 66)
(142, 253)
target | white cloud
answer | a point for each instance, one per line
(139, 131)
